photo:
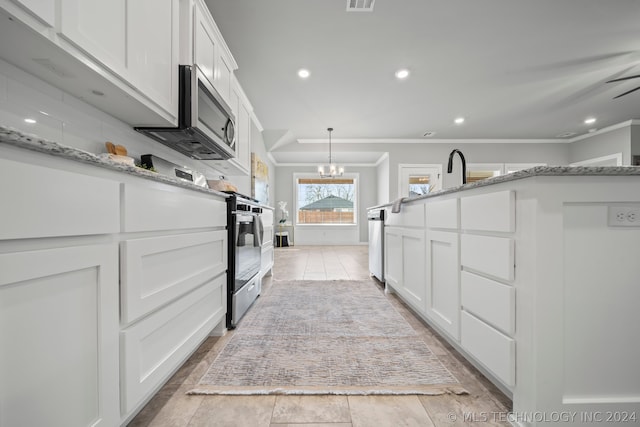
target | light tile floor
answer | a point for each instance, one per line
(171, 406)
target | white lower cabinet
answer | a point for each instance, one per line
(59, 337)
(405, 266)
(153, 348)
(157, 270)
(495, 350)
(443, 284)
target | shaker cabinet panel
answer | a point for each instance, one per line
(59, 337)
(204, 44)
(153, 50)
(99, 28)
(489, 300)
(157, 270)
(48, 202)
(494, 256)
(492, 348)
(151, 208)
(443, 294)
(154, 347)
(442, 214)
(489, 212)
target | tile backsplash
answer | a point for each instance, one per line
(68, 120)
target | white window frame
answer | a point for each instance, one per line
(419, 168)
(356, 183)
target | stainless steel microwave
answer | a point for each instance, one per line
(206, 129)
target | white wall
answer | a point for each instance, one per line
(434, 153)
(615, 141)
(327, 234)
(382, 172)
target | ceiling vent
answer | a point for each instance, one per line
(360, 5)
(428, 134)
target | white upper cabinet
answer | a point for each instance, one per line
(222, 81)
(204, 42)
(152, 50)
(127, 50)
(97, 27)
(210, 52)
(44, 10)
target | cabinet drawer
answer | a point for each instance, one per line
(489, 212)
(155, 271)
(442, 214)
(44, 202)
(493, 349)
(489, 300)
(267, 260)
(410, 215)
(491, 255)
(150, 208)
(154, 347)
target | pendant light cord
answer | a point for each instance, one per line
(330, 130)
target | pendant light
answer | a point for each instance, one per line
(331, 170)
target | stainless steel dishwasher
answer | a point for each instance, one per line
(376, 242)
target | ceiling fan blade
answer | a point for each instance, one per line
(624, 78)
(628, 92)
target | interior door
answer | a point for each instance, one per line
(418, 180)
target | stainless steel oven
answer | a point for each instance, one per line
(245, 256)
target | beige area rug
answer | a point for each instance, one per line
(337, 337)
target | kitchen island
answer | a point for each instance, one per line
(534, 277)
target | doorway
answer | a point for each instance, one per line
(418, 180)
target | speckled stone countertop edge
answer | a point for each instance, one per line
(528, 173)
(27, 141)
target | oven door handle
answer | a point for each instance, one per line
(258, 234)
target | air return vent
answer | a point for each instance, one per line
(360, 5)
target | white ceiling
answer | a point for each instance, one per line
(524, 69)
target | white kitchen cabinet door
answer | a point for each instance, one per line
(413, 268)
(158, 270)
(152, 50)
(405, 265)
(204, 43)
(393, 257)
(243, 142)
(222, 81)
(59, 337)
(443, 281)
(99, 28)
(153, 348)
(44, 10)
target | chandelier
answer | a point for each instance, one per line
(331, 170)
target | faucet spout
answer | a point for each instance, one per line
(464, 164)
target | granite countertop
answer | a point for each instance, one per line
(527, 173)
(35, 143)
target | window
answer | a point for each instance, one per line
(326, 200)
(418, 180)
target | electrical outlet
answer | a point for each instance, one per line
(624, 216)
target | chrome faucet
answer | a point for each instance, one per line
(464, 164)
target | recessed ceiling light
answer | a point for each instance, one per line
(30, 121)
(590, 121)
(402, 74)
(459, 120)
(303, 73)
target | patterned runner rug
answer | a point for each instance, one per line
(337, 337)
